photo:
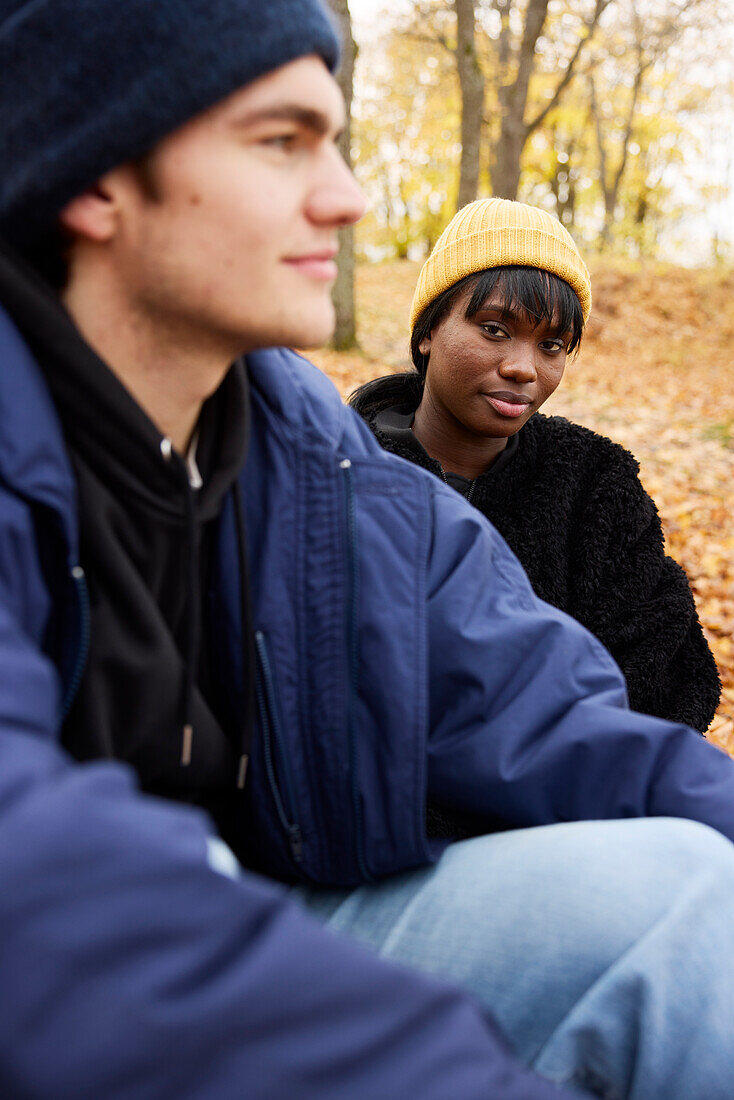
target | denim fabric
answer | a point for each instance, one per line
(605, 950)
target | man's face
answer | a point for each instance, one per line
(228, 229)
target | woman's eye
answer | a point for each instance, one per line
(554, 347)
(492, 328)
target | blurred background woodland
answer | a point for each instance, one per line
(617, 116)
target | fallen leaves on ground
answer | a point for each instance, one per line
(655, 373)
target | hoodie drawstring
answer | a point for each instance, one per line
(193, 629)
(193, 626)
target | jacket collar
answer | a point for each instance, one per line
(299, 394)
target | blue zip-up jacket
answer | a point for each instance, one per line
(402, 655)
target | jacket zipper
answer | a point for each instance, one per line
(272, 736)
(82, 598)
(353, 661)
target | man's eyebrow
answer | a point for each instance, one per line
(307, 117)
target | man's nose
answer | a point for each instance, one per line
(337, 199)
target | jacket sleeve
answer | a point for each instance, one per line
(638, 602)
(133, 968)
(528, 714)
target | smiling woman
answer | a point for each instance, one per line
(499, 306)
(494, 349)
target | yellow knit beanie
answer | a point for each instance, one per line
(498, 233)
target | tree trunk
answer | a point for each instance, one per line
(342, 294)
(562, 181)
(606, 190)
(505, 170)
(505, 156)
(610, 182)
(471, 83)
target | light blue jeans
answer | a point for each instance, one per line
(605, 950)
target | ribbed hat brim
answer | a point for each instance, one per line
(500, 233)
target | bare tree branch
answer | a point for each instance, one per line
(642, 68)
(591, 25)
(436, 39)
(535, 16)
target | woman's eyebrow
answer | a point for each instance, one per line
(316, 121)
(511, 310)
(504, 310)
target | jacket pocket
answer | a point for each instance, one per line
(277, 765)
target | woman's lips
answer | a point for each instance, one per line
(319, 265)
(508, 404)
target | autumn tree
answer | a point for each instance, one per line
(406, 144)
(560, 162)
(634, 72)
(345, 331)
(609, 111)
(518, 53)
(471, 83)
(498, 47)
(612, 153)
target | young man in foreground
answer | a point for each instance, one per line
(308, 644)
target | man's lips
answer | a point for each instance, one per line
(316, 265)
(507, 403)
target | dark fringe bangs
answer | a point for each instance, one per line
(540, 295)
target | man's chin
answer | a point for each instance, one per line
(315, 333)
(313, 328)
(311, 344)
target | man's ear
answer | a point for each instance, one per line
(425, 346)
(91, 215)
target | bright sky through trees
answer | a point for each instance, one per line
(699, 180)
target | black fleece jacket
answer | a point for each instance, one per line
(571, 506)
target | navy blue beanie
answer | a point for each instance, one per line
(86, 85)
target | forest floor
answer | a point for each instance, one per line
(655, 373)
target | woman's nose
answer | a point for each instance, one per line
(519, 362)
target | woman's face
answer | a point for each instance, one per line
(489, 373)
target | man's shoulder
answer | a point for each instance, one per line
(296, 392)
(303, 400)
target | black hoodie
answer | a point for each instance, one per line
(151, 693)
